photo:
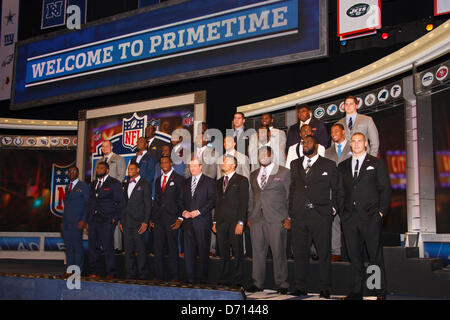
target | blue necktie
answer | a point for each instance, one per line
(339, 150)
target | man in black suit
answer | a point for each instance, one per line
(199, 200)
(105, 208)
(312, 203)
(154, 144)
(167, 218)
(304, 117)
(134, 222)
(229, 219)
(364, 197)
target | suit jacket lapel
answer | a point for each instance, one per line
(362, 170)
(230, 182)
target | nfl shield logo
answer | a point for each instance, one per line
(132, 129)
(188, 119)
(58, 188)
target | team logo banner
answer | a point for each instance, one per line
(9, 26)
(58, 188)
(53, 13)
(358, 17)
(132, 129)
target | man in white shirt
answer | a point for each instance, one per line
(296, 150)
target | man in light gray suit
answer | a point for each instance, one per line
(117, 168)
(354, 122)
(338, 151)
(207, 155)
(268, 220)
(243, 165)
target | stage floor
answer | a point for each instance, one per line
(56, 267)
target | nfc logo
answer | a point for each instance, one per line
(73, 281)
(54, 9)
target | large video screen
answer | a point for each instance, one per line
(27, 203)
(125, 129)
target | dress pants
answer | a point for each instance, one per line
(135, 242)
(364, 231)
(163, 234)
(312, 227)
(73, 240)
(336, 242)
(265, 234)
(197, 241)
(231, 271)
(101, 233)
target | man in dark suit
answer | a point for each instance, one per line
(304, 117)
(134, 222)
(146, 161)
(229, 220)
(74, 217)
(105, 209)
(338, 151)
(199, 201)
(312, 203)
(167, 218)
(364, 193)
(154, 144)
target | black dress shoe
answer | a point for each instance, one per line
(325, 294)
(354, 296)
(298, 293)
(254, 288)
(282, 290)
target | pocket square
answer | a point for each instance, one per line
(325, 173)
(370, 168)
(277, 179)
(107, 189)
(172, 184)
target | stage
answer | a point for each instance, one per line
(408, 278)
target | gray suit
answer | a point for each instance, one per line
(243, 167)
(209, 164)
(267, 210)
(331, 154)
(366, 126)
(117, 167)
(277, 143)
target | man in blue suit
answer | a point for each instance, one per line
(105, 208)
(145, 160)
(74, 216)
(199, 200)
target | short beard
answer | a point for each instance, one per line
(309, 152)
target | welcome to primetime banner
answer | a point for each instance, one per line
(187, 40)
(151, 44)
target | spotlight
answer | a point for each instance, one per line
(429, 27)
(384, 35)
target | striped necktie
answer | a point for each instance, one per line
(350, 124)
(263, 178)
(339, 150)
(194, 185)
(308, 166)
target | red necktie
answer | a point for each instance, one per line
(70, 188)
(164, 183)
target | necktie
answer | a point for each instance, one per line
(99, 184)
(70, 188)
(355, 175)
(263, 178)
(193, 186)
(164, 183)
(225, 183)
(350, 124)
(181, 153)
(308, 166)
(339, 150)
